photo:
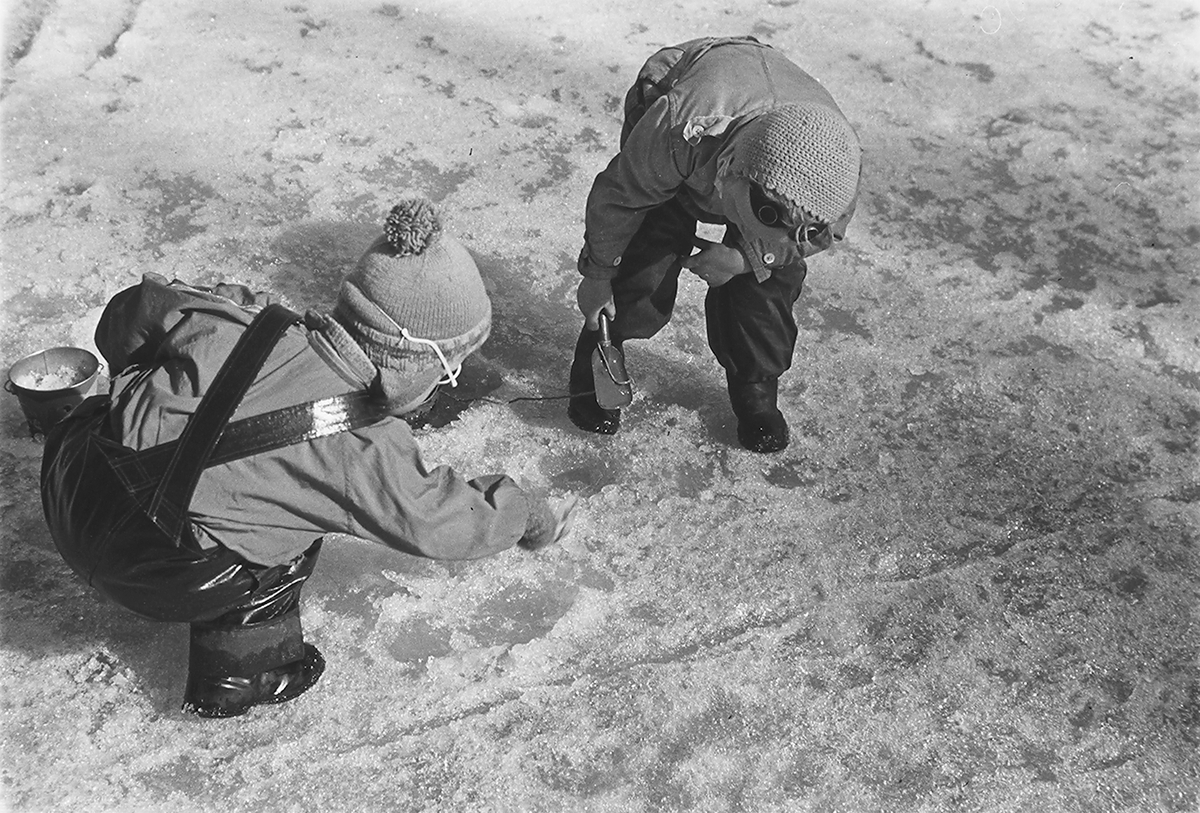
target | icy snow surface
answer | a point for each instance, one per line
(969, 584)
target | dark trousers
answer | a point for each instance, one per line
(262, 632)
(751, 330)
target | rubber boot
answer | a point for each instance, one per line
(254, 654)
(583, 410)
(231, 670)
(761, 426)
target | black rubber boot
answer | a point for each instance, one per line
(761, 426)
(583, 410)
(232, 670)
(254, 654)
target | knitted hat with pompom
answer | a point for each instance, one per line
(415, 281)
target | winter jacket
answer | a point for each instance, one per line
(696, 98)
(165, 341)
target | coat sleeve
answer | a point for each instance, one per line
(393, 498)
(647, 172)
(370, 483)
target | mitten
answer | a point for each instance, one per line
(541, 525)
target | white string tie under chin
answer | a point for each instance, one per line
(451, 373)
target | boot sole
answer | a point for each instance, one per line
(314, 667)
(604, 425)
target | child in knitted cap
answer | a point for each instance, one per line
(306, 437)
(725, 131)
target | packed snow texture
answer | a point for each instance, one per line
(970, 583)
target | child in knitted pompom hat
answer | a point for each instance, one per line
(721, 130)
(414, 308)
(405, 319)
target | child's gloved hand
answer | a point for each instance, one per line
(593, 296)
(716, 263)
(547, 524)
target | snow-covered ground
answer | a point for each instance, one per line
(969, 584)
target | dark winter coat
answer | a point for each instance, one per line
(696, 97)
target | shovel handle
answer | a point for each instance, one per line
(604, 336)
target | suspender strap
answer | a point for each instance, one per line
(261, 433)
(283, 427)
(168, 506)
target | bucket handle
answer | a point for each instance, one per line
(8, 386)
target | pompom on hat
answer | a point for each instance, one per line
(804, 155)
(415, 287)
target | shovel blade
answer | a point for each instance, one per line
(614, 388)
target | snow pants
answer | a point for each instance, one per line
(262, 632)
(93, 494)
(751, 329)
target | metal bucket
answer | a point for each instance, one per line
(51, 383)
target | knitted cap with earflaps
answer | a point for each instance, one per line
(804, 155)
(415, 282)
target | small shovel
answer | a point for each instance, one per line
(614, 387)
